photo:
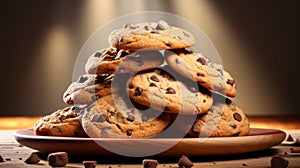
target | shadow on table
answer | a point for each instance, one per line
(138, 160)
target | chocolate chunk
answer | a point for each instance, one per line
(184, 162)
(201, 61)
(97, 54)
(230, 82)
(150, 163)
(154, 78)
(130, 118)
(57, 159)
(82, 79)
(237, 117)
(152, 85)
(290, 138)
(33, 158)
(1, 159)
(279, 162)
(200, 74)
(129, 132)
(99, 118)
(89, 164)
(138, 91)
(170, 91)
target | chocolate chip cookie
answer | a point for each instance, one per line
(201, 69)
(157, 88)
(223, 119)
(112, 117)
(150, 35)
(110, 60)
(88, 89)
(63, 122)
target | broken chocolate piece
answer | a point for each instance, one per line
(33, 158)
(279, 162)
(57, 159)
(150, 163)
(89, 164)
(201, 61)
(230, 82)
(184, 162)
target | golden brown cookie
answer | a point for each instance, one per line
(158, 89)
(201, 69)
(63, 122)
(116, 117)
(111, 60)
(224, 118)
(150, 35)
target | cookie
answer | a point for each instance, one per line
(63, 122)
(116, 117)
(158, 89)
(224, 118)
(150, 35)
(88, 88)
(110, 60)
(201, 69)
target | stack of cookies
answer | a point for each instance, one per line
(141, 83)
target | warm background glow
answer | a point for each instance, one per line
(257, 41)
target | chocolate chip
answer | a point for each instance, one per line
(89, 164)
(130, 86)
(129, 132)
(170, 91)
(138, 91)
(237, 117)
(150, 163)
(152, 85)
(201, 61)
(154, 78)
(279, 162)
(230, 82)
(200, 74)
(160, 27)
(82, 79)
(180, 38)
(97, 54)
(1, 159)
(147, 27)
(184, 162)
(57, 159)
(232, 125)
(130, 118)
(99, 118)
(168, 44)
(33, 158)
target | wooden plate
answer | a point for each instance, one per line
(259, 139)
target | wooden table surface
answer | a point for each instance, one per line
(14, 155)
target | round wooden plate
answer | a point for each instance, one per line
(258, 139)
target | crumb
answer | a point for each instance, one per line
(244, 164)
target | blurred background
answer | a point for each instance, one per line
(258, 42)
